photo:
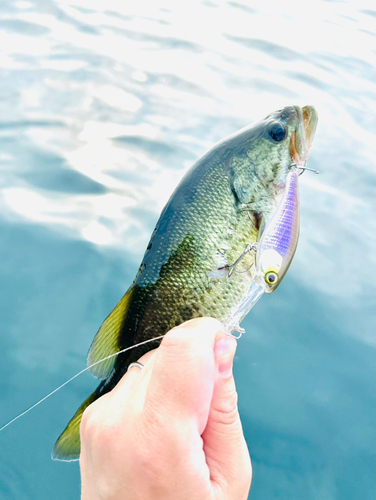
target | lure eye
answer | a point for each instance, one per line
(271, 278)
(277, 132)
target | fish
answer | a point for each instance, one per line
(221, 207)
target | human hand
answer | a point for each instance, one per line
(171, 430)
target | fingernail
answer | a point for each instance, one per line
(225, 350)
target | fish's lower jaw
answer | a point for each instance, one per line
(310, 119)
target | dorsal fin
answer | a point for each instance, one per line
(106, 341)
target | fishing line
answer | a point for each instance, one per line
(310, 169)
(75, 376)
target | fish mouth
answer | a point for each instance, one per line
(302, 137)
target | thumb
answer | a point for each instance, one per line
(224, 444)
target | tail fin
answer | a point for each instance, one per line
(105, 343)
(68, 446)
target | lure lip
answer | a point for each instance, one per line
(302, 137)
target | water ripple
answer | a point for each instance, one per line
(104, 106)
(13, 483)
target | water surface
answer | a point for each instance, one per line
(103, 107)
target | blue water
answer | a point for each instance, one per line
(103, 107)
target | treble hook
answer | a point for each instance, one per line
(231, 329)
(248, 249)
(304, 168)
(310, 169)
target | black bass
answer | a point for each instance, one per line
(216, 211)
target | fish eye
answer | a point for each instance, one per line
(271, 278)
(277, 132)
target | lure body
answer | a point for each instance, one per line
(274, 252)
(279, 240)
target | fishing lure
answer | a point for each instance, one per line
(274, 252)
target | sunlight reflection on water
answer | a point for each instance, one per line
(103, 107)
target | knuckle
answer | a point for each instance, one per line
(150, 464)
(89, 425)
(226, 412)
(96, 425)
(177, 338)
(192, 330)
(206, 323)
(88, 419)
